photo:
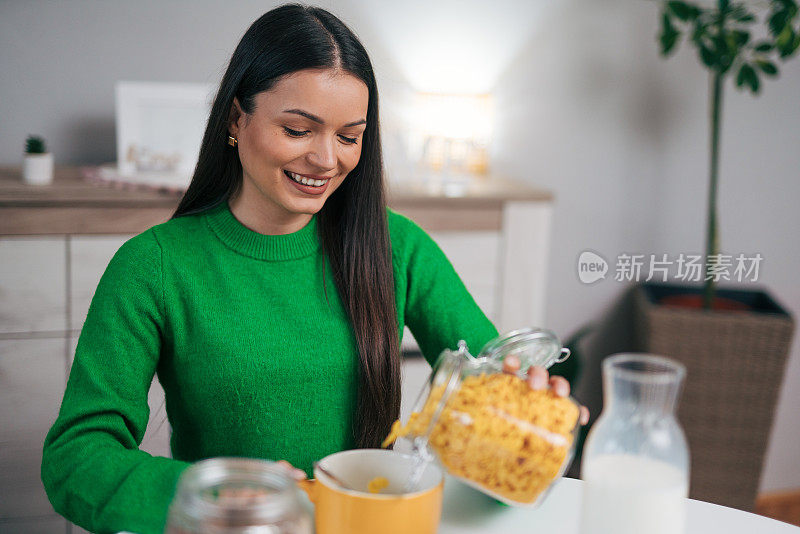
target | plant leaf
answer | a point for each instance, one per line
(777, 22)
(767, 67)
(741, 37)
(740, 13)
(741, 76)
(699, 32)
(725, 49)
(747, 75)
(708, 57)
(785, 42)
(669, 35)
(754, 83)
(764, 46)
(683, 11)
(666, 23)
(668, 42)
(725, 64)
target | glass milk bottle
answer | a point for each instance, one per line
(636, 460)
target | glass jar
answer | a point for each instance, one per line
(489, 428)
(237, 496)
(636, 460)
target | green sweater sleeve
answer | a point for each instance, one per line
(92, 469)
(439, 309)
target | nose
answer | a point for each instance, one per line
(323, 153)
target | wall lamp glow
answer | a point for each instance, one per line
(451, 132)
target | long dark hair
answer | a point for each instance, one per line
(352, 224)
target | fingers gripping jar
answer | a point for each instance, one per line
(488, 427)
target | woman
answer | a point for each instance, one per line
(271, 304)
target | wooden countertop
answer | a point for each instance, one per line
(74, 205)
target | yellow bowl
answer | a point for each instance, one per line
(356, 511)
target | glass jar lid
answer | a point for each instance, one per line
(533, 347)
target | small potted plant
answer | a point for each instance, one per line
(38, 164)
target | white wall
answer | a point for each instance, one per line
(586, 107)
(59, 62)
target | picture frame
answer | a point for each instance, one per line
(160, 127)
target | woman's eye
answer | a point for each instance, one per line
(294, 133)
(349, 140)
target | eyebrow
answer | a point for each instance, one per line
(316, 119)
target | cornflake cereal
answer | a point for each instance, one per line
(377, 484)
(499, 433)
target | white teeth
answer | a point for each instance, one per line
(306, 181)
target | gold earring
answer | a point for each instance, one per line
(232, 140)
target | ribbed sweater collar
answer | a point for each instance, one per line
(260, 246)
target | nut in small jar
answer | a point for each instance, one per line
(237, 496)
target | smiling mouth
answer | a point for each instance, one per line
(300, 179)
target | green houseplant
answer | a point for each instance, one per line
(735, 359)
(722, 35)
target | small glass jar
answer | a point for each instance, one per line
(489, 428)
(237, 496)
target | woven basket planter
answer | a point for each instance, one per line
(735, 362)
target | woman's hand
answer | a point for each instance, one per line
(539, 378)
(292, 471)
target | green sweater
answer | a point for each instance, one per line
(253, 360)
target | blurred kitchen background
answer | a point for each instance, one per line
(605, 141)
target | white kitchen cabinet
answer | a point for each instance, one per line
(504, 270)
(32, 284)
(476, 258)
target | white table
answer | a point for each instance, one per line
(467, 511)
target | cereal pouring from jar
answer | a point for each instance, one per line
(497, 434)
